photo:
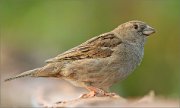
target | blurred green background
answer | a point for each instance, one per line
(45, 28)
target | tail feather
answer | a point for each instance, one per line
(24, 74)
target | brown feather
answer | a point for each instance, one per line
(98, 47)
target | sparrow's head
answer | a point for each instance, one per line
(134, 30)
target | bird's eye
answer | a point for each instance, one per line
(135, 26)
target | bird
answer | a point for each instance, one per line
(99, 62)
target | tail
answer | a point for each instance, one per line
(24, 74)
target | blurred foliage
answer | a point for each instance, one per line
(49, 27)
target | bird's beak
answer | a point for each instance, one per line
(148, 31)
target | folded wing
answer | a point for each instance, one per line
(97, 47)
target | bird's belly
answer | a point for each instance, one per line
(102, 73)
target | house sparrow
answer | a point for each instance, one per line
(99, 62)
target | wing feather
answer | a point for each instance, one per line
(97, 47)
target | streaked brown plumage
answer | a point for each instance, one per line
(101, 61)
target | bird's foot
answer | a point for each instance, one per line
(88, 95)
(93, 94)
(96, 92)
(110, 94)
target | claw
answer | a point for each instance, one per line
(96, 92)
(90, 94)
(110, 94)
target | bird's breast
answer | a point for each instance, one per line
(127, 58)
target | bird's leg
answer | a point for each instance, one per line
(93, 92)
(90, 94)
(99, 92)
